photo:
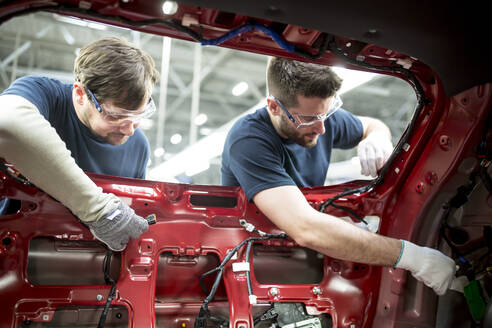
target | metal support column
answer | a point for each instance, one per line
(161, 114)
(195, 96)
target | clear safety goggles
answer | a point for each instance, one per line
(125, 115)
(301, 120)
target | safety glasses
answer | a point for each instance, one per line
(125, 116)
(301, 120)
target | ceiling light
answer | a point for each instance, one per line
(240, 88)
(80, 22)
(158, 152)
(176, 138)
(169, 7)
(200, 119)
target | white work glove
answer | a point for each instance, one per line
(28, 141)
(428, 265)
(373, 151)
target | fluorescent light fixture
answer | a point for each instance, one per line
(200, 119)
(158, 152)
(176, 138)
(352, 79)
(97, 26)
(80, 22)
(240, 88)
(169, 7)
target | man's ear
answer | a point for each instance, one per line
(79, 93)
(272, 106)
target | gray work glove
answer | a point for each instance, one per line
(118, 227)
(428, 265)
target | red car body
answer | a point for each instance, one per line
(51, 266)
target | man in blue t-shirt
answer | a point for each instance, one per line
(52, 132)
(287, 145)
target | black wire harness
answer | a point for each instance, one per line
(462, 196)
(112, 291)
(205, 315)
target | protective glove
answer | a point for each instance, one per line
(118, 227)
(428, 265)
(373, 151)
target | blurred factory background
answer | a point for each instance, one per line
(202, 91)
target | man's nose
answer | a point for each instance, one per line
(128, 128)
(319, 127)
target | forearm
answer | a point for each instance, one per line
(371, 125)
(29, 142)
(287, 208)
(340, 239)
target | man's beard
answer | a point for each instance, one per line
(114, 139)
(294, 135)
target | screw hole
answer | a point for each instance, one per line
(148, 246)
(119, 315)
(6, 241)
(146, 204)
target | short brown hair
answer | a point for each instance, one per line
(287, 78)
(116, 70)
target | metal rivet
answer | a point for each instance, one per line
(316, 290)
(274, 291)
(99, 297)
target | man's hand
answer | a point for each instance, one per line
(118, 227)
(428, 265)
(373, 151)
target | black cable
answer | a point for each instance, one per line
(112, 292)
(399, 147)
(14, 175)
(248, 278)
(486, 179)
(204, 314)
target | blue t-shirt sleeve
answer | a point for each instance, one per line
(256, 166)
(43, 92)
(347, 129)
